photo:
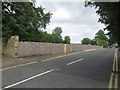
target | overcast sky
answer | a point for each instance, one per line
(75, 20)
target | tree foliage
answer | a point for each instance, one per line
(99, 39)
(57, 31)
(67, 40)
(109, 15)
(27, 21)
(93, 42)
(56, 35)
(86, 41)
(23, 19)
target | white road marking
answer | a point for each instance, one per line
(17, 66)
(46, 59)
(68, 54)
(91, 50)
(75, 61)
(28, 79)
(60, 56)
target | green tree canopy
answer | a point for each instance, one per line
(56, 35)
(101, 38)
(57, 31)
(27, 21)
(23, 19)
(93, 42)
(86, 41)
(109, 13)
(100, 35)
(67, 40)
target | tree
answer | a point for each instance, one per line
(86, 41)
(27, 21)
(67, 40)
(100, 35)
(111, 40)
(93, 42)
(109, 15)
(56, 35)
(56, 38)
(57, 31)
(101, 38)
(23, 19)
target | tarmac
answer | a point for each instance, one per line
(9, 61)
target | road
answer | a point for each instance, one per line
(87, 69)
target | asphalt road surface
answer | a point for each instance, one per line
(86, 69)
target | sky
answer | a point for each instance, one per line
(74, 18)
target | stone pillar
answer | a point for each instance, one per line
(12, 47)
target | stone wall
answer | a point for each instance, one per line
(14, 48)
(36, 48)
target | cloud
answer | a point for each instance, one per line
(76, 31)
(61, 14)
(75, 20)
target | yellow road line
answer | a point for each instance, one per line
(17, 66)
(116, 82)
(113, 69)
(111, 81)
(116, 75)
(117, 60)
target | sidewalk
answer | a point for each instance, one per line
(8, 61)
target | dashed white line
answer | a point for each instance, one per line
(75, 61)
(45, 60)
(28, 79)
(90, 49)
(68, 54)
(60, 56)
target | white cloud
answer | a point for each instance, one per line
(61, 0)
(61, 14)
(76, 31)
(75, 20)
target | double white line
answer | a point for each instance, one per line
(113, 83)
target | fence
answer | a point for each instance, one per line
(14, 48)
